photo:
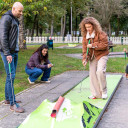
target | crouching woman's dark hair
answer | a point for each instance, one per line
(39, 51)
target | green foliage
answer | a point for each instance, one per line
(44, 11)
(119, 23)
(4, 6)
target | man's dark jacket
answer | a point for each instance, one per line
(8, 33)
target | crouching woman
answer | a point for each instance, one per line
(39, 64)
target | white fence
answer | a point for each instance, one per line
(115, 40)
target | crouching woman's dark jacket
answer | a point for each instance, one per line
(8, 33)
(34, 61)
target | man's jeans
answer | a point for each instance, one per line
(9, 88)
(36, 72)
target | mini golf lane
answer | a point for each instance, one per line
(77, 111)
(93, 108)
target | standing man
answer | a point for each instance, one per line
(9, 32)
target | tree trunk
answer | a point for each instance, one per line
(81, 17)
(61, 26)
(34, 25)
(118, 27)
(65, 33)
(117, 32)
(47, 30)
(76, 27)
(69, 23)
(22, 38)
(109, 29)
(64, 24)
(40, 31)
(105, 28)
(37, 28)
(29, 32)
(52, 28)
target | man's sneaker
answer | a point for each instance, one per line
(16, 108)
(91, 97)
(7, 102)
(104, 96)
(48, 81)
(30, 81)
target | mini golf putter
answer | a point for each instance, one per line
(57, 107)
(12, 89)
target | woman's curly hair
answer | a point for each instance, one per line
(90, 20)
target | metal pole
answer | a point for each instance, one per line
(71, 18)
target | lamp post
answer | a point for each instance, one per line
(71, 18)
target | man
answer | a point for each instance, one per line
(9, 31)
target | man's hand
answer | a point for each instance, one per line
(84, 63)
(89, 46)
(9, 58)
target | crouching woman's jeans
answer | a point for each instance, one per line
(36, 72)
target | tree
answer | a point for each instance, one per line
(120, 22)
(33, 12)
(5, 5)
(103, 10)
(22, 37)
(79, 9)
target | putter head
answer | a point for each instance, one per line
(53, 115)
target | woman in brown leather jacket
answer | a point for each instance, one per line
(97, 56)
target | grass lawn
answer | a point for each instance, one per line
(61, 64)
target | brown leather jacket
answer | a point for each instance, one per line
(99, 44)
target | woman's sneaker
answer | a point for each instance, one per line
(104, 96)
(48, 81)
(91, 97)
(30, 81)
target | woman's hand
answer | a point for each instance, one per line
(50, 65)
(84, 63)
(89, 46)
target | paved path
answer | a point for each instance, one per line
(69, 47)
(79, 56)
(33, 97)
(116, 115)
(111, 55)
